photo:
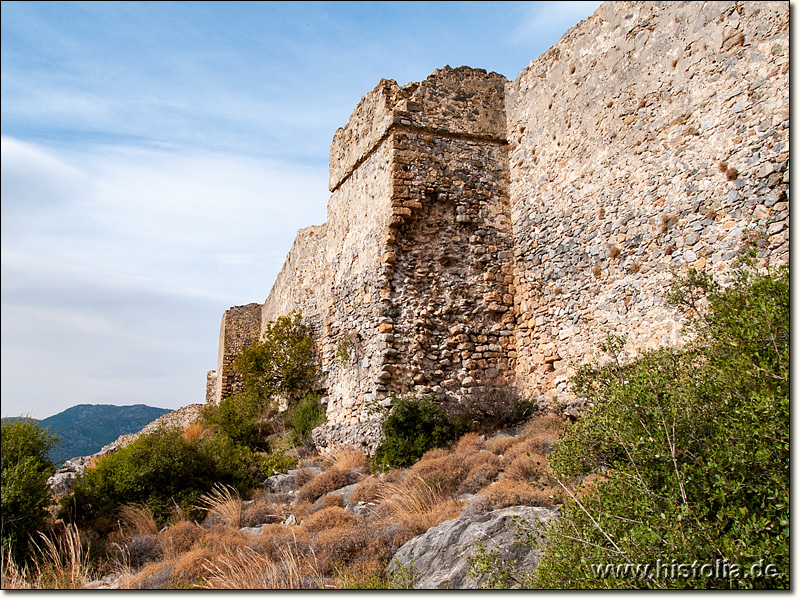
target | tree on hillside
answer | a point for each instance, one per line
(691, 447)
(26, 466)
(282, 365)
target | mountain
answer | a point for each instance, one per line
(84, 429)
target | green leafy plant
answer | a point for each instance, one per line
(26, 466)
(162, 470)
(305, 416)
(241, 417)
(692, 445)
(282, 365)
(413, 427)
(345, 346)
(494, 409)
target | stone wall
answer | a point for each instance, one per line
(653, 135)
(483, 232)
(240, 328)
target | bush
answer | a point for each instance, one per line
(162, 470)
(26, 466)
(240, 417)
(305, 416)
(694, 444)
(282, 365)
(412, 428)
(492, 409)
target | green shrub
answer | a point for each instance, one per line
(241, 417)
(278, 463)
(282, 365)
(163, 470)
(26, 466)
(412, 428)
(693, 445)
(305, 416)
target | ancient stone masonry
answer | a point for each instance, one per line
(482, 232)
(241, 327)
(653, 135)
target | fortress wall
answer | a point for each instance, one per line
(240, 328)
(653, 135)
(300, 284)
(358, 214)
(449, 323)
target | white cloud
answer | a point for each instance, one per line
(117, 284)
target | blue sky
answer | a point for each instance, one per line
(158, 158)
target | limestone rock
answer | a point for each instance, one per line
(440, 557)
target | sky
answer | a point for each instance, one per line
(159, 157)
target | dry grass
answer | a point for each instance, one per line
(550, 424)
(14, 575)
(525, 467)
(368, 490)
(345, 458)
(180, 538)
(191, 566)
(223, 505)
(511, 493)
(339, 547)
(245, 569)
(366, 574)
(64, 562)
(194, 431)
(274, 539)
(417, 505)
(445, 472)
(327, 501)
(499, 445)
(327, 481)
(468, 443)
(334, 516)
(137, 519)
(155, 576)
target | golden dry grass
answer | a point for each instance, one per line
(246, 569)
(327, 518)
(468, 443)
(499, 445)
(180, 538)
(194, 431)
(137, 519)
(64, 562)
(327, 481)
(345, 458)
(417, 505)
(224, 503)
(515, 493)
(191, 566)
(368, 490)
(14, 575)
(155, 576)
(525, 467)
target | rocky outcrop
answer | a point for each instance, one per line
(440, 557)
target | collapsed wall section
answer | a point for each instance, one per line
(652, 136)
(447, 321)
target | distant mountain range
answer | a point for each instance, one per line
(84, 429)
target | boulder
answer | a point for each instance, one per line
(439, 558)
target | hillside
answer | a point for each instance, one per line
(84, 429)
